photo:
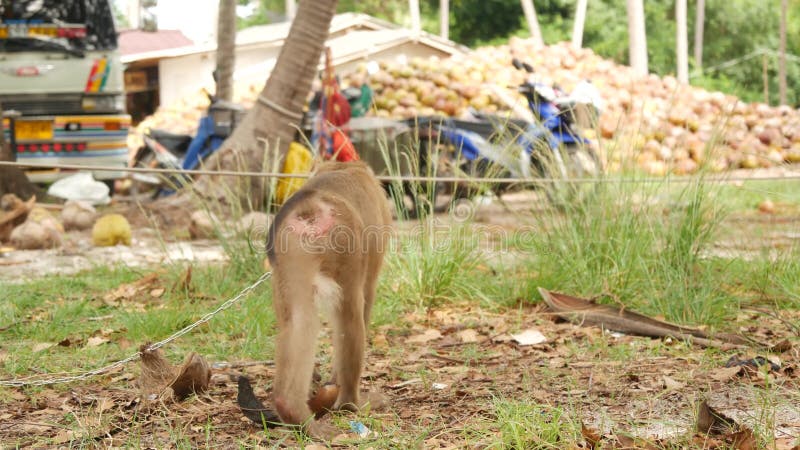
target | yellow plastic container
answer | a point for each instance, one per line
(298, 160)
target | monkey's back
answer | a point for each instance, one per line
(359, 208)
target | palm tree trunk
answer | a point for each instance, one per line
(226, 49)
(682, 46)
(263, 137)
(637, 39)
(699, 25)
(782, 60)
(533, 21)
(580, 20)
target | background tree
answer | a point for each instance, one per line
(637, 39)
(682, 44)
(533, 21)
(699, 23)
(444, 19)
(413, 8)
(226, 49)
(265, 133)
(782, 50)
(580, 23)
(732, 29)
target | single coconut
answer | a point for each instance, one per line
(78, 215)
(110, 230)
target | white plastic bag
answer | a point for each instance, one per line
(81, 186)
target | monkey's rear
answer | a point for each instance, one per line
(325, 247)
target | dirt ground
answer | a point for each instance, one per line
(444, 381)
(441, 371)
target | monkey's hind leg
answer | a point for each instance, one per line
(298, 324)
(349, 346)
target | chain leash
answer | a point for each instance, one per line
(35, 381)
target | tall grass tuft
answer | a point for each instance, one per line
(637, 243)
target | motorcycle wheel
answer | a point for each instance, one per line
(146, 183)
(574, 178)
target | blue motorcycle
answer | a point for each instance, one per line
(493, 146)
(165, 150)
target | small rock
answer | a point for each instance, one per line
(202, 224)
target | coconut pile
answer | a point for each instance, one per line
(652, 122)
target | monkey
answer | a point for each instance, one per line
(325, 247)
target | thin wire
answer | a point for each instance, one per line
(30, 381)
(447, 179)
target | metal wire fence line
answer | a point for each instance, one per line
(39, 381)
(413, 178)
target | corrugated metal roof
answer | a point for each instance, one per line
(133, 42)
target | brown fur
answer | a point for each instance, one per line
(335, 227)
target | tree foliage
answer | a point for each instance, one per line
(734, 29)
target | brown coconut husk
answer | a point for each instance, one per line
(159, 377)
(13, 213)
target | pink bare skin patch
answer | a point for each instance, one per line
(313, 223)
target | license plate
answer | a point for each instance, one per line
(40, 130)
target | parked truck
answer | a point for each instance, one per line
(60, 69)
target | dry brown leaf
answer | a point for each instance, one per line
(43, 346)
(529, 337)
(380, 342)
(591, 435)
(104, 404)
(468, 336)
(711, 421)
(725, 374)
(502, 338)
(744, 439)
(782, 346)
(96, 341)
(158, 292)
(185, 283)
(429, 335)
(670, 384)
(405, 383)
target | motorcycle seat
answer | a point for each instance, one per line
(176, 143)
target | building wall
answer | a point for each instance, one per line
(185, 75)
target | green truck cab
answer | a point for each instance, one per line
(60, 68)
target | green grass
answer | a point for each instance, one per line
(514, 424)
(648, 247)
